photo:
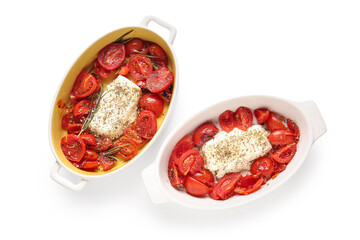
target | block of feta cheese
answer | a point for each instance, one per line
(236, 150)
(117, 109)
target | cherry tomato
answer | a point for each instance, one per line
(248, 180)
(89, 165)
(250, 189)
(285, 153)
(282, 137)
(273, 123)
(205, 177)
(73, 99)
(279, 167)
(129, 133)
(185, 144)
(146, 124)
(135, 44)
(73, 147)
(82, 108)
(190, 161)
(85, 85)
(128, 149)
(67, 120)
(74, 128)
(175, 176)
(166, 95)
(124, 70)
(263, 165)
(90, 155)
(244, 118)
(111, 56)
(159, 80)
(152, 102)
(196, 188)
(161, 57)
(227, 184)
(102, 144)
(293, 127)
(227, 121)
(204, 133)
(106, 162)
(140, 67)
(100, 71)
(261, 115)
(88, 139)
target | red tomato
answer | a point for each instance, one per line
(185, 144)
(106, 162)
(100, 71)
(293, 127)
(227, 184)
(161, 57)
(102, 144)
(227, 121)
(263, 165)
(245, 191)
(190, 161)
(73, 147)
(282, 137)
(141, 84)
(85, 85)
(73, 99)
(82, 108)
(111, 56)
(67, 120)
(89, 165)
(135, 44)
(166, 95)
(90, 155)
(204, 133)
(152, 102)
(196, 188)
(124, 70)
(74, 128)
(140, 67)
(88, 139)
(273, 123)
(261, 115)
(205, 177)
(248, 180)
(129, 133)
(175, 176)
(159, 80)
(146, 124)
(285, 153)
(128, 149)
(244, 118)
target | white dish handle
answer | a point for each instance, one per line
(64, 181)
(316, 119)
(152, 185)
(172, 30)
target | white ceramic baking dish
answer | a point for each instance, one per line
(305, 114)
(87, 57)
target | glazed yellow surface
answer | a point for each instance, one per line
(82, 63)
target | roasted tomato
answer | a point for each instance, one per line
(82, 108)
(73, 147)
(227, 121)
(204, 133)
(90, 155)
(166, 95)
(140, 67)
(159, 80)
(226, 184)
(185, 144)
(111, 56)
(67, 120)
(249, 184)
(146, 124)
(285, 153)
(100, 71)
(263, 165)
(134, 45)
(244, 118)
(261, 114)
(205, 177)
(127, 149)
(89, 165)
(129, 132)
(152, 102)
(175, 176)
(74, 128)
(124, 69)
(85, 85)
(293, 127)
(282, 137)
(273, 123)
(161, 57)
(190, 161)
(195, 187)
(106, 162)
(102, 144)
(88, 139)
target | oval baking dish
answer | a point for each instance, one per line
(306, 115)
(86, 58)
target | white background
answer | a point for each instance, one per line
(299, 50)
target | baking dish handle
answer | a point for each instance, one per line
(172, 30)
(153, 186)
(64, 181)
(315, 117)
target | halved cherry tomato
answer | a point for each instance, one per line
(135, 44)
(88, 139)
(127, 150)
(282, 137)
(175, 176)
(161, 57)
(106, 162)
(248, 180)
(244, 118)
(152, 102)
(261, 114)
(111, 56)
(100, 71)
(73, 147)
(146, 124)
(185, 144)
(159, 80)
(73, 99)
(90, 155)
(262, 165)
(124, 69)
(250, 189)
(140, 67)
(196, 188)
(227, 121)
(273, 123)
(204, 133)
(205, 177)
(82, 108)
(67, 120)
(214, 195)
(129, 132)
(285, 153)
(166, 94)
(191, 161)
(141, 84)
(85, 85)
(293, 127)
(89, 165)
(74, 128)
(227, 184)
(102, 144)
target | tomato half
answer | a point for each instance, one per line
(166, 95)
(82, 108)
(244, 118)
(74, 128)
(88, 139)
(134, 45)
(100, 71)
(146, 124)
(273, 123)
(140, 67)
(73, 147)
(67, 120)
(175, 176)
(89, 165)
(106, 162)
(190, 161)
(227, 184)
(261, 114)
(285, 153)
(204, 133)
(102, 144)
(152, 102)
(129, 132)
(196, 188)
(159, 80)
(250, 189)
(111, 56)
(204, 176)
(161, 57)
(90, 155)
(185, 144)
(85, 85)
(282, 137)
(124, 70)
(262, 165)
(293, 127)
(128, 149)
(227, 121)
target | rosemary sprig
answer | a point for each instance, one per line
(149, 56)
(110, 153)
(120, 39)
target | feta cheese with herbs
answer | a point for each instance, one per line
(117, 108)
(235, 151)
